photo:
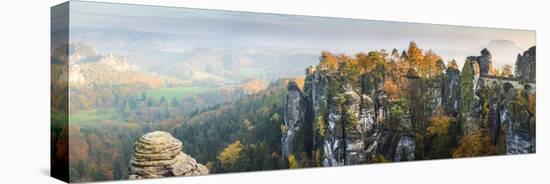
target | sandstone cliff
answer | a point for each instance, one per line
(349, 119)
(526, 66)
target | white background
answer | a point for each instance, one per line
(24, 90)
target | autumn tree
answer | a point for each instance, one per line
(292, 162)
(368, 62)
(350, 67)
(402, 67)
(439, 123)
(390, 88)
(414, 54)
(328, 60)
(475, 143)
(427, 64)
(469, 146)
(438, 130)
(507, 71)
(363, 62)
(230, 155)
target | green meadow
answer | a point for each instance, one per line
(176, 92)
(95, 115)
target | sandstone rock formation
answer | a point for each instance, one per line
(451, 90)
(508, 100)
(485, 61)
(158, 154)
(526, 66)
(293, 116)
(405, 149)
(349, 118)
(519, 126)
(344, 119)
(473, 106)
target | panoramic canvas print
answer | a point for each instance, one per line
(149, 92)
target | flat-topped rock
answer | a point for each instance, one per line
(158, 154)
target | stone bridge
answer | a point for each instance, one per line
(508, 82)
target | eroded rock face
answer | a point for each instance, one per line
(293, 116)
(335, 143)
(509, 115)
(526, 66)
(158, 154)
(451, 90)
(405, 149)
(519, 126)
(485, 61)
(352, 120)
(360, 110)
(475, 105)
(436, 96)
(351, 114)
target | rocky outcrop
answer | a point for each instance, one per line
(405, 149)
(293, 116)
(509, 114)
(526, 66)
(435, 94)
(334, 141)
(471, 104)
(359, 128)
(350, 113)
(519, 125)
(347, 118)
(451, 90)
(158, 154)
(485, 62)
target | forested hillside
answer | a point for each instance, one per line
(243, 135)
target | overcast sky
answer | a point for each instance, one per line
(209, 28)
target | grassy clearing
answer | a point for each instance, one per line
(95, 115)
(176, 92)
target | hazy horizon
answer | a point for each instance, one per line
(183, 29)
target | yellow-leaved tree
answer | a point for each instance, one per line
(414, 54)
(438, 130)
(229, 156)
(390, 88)
(292, 162)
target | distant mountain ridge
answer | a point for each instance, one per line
(228, 66)
(204, 65)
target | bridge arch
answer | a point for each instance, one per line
(507, 86)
